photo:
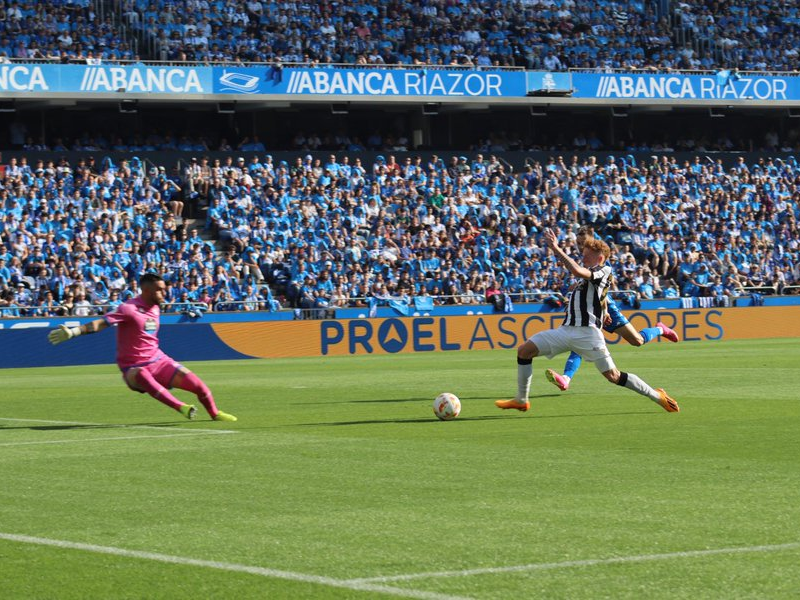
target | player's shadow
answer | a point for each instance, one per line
(384, 400)
(463, 419)
(417, 399)
(592, 415)
(429, 420)
(374, 400)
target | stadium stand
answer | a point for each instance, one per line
(747, 35)
(331, 227)
(553, 35)
(322, 233)
(481, 33)
(60, 30)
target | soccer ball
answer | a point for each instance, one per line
(446, 406)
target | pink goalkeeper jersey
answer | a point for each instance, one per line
(137, 332)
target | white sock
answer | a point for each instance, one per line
(524, 374)
(640, 387)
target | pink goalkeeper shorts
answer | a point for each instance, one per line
(162, 369)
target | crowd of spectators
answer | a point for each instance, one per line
(60, 30)
(334, 232)
(536, 34)
(755, 36)
(314, 233)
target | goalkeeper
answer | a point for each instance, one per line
(145, 368)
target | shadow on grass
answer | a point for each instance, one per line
(79, 427)
(418, 399)
(432, 420)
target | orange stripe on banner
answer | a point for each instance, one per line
(287, 339)
(271, 339)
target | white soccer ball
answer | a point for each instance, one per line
(446, 406)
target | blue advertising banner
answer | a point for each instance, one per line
(369, 82)
(724, 85)
(86, 79)
(45, 79)
(182, 342)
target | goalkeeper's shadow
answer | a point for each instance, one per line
(87, 426)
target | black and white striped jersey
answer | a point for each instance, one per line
(586, 306)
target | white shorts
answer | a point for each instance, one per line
(586, 341)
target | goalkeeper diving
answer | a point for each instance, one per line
(145, 368)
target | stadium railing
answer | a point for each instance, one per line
(242, 305)
(32, 311)
(764, 289)
(437, 299)
(668, 71)
(310, 64)
(291, 65)
(91, 310)
(624, 294)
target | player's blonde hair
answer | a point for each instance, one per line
(598, 246)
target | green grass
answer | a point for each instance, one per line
(338, 469)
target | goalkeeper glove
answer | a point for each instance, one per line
(62, 334)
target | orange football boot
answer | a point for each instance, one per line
(667, 403)
(506, 404)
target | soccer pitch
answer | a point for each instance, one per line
(338, 482)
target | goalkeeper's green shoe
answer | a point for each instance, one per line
(221, 416)
(188, 411)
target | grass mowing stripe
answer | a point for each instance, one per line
(580, 563)
(211, 564)
(108, 425)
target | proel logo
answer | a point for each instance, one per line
(22, 78)
(428, 334)
(392, 335)
(141, 79)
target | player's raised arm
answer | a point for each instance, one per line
(573, 267)
(64, 333)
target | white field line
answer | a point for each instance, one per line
(108, 425)
(568, 564)
(168, 433)
(223, 566)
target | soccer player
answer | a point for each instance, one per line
(616, 322)
(145, 368)
(581, 330)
